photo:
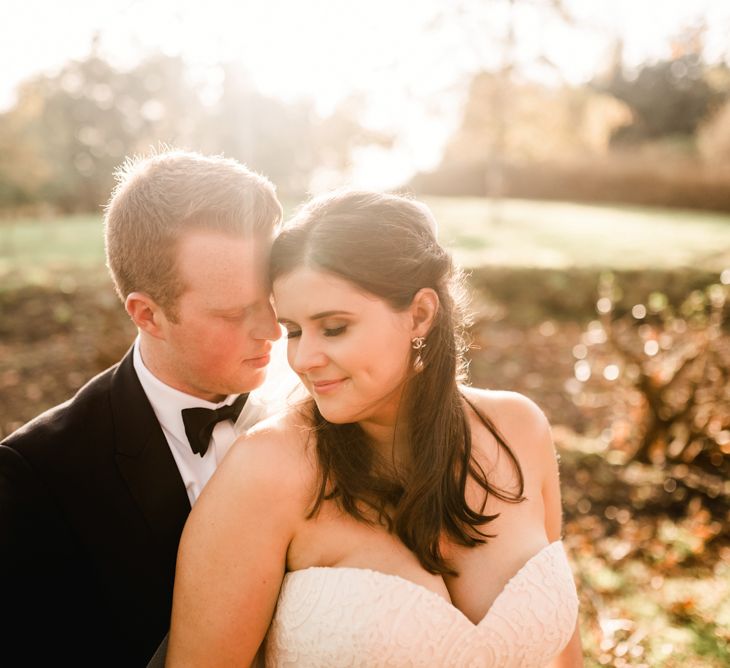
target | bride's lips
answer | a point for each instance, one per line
(327, 386)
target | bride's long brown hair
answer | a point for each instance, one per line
(386, 245)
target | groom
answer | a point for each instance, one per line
(94, 492)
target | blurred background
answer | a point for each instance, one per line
(577, 157)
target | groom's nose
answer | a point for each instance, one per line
(267, 327)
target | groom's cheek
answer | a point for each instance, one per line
(235, 341)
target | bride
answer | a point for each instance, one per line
(396, 517)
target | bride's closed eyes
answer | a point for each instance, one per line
(326, 331)
(334, 331)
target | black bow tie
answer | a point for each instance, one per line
(200, 422)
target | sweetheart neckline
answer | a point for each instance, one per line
(430, 592)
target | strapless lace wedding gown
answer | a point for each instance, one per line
(359, 617)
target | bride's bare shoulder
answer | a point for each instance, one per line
(518, 418)
(506, 403)
(276, 455)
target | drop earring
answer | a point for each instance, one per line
(418, 343)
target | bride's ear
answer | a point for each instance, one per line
(423, 310)
(145, 313)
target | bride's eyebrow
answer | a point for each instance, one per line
(316, 316)
(327, 314)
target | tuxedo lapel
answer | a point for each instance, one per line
(144, 458)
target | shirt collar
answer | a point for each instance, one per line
(166, 401)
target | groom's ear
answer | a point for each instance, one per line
(423, 310)
(145, 313)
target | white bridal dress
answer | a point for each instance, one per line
(358, 617)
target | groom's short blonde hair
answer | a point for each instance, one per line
(160, 197)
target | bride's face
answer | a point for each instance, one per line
(351, 350)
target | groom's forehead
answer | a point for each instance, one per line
(211, 248)
(233, 300)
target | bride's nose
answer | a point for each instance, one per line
(306, 354)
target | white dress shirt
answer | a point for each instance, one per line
(281, 389)
(168, 403)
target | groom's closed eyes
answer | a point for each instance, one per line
(238, 312)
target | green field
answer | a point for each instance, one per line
(38, 250)
(511, 233)
(562, 234)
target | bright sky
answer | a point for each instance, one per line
(412, 60)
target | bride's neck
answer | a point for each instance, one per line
(388, 441)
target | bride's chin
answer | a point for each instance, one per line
(334, 416)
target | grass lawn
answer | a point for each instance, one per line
(560, 234)
(512, 233)
(37, 250)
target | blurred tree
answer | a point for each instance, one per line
(491, 32)
(554, 141)
(68, 132)
(544, 123)
(667, 98)
(22, 170)
(63, 139)
(84, 132)
(342, 132)
(672, 366)
(287, 142)
(269, 136)
(713, 137)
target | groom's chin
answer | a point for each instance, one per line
(253, 379)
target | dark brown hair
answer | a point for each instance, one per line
(386, 245)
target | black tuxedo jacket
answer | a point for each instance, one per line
(91, 511)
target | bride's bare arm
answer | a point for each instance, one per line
(572, 654)
(528, 433)
(232, 554)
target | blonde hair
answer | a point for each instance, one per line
(160, 197)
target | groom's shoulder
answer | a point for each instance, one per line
(71, 420)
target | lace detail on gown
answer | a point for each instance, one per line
(359, 617)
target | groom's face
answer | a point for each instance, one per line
(221, 340)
